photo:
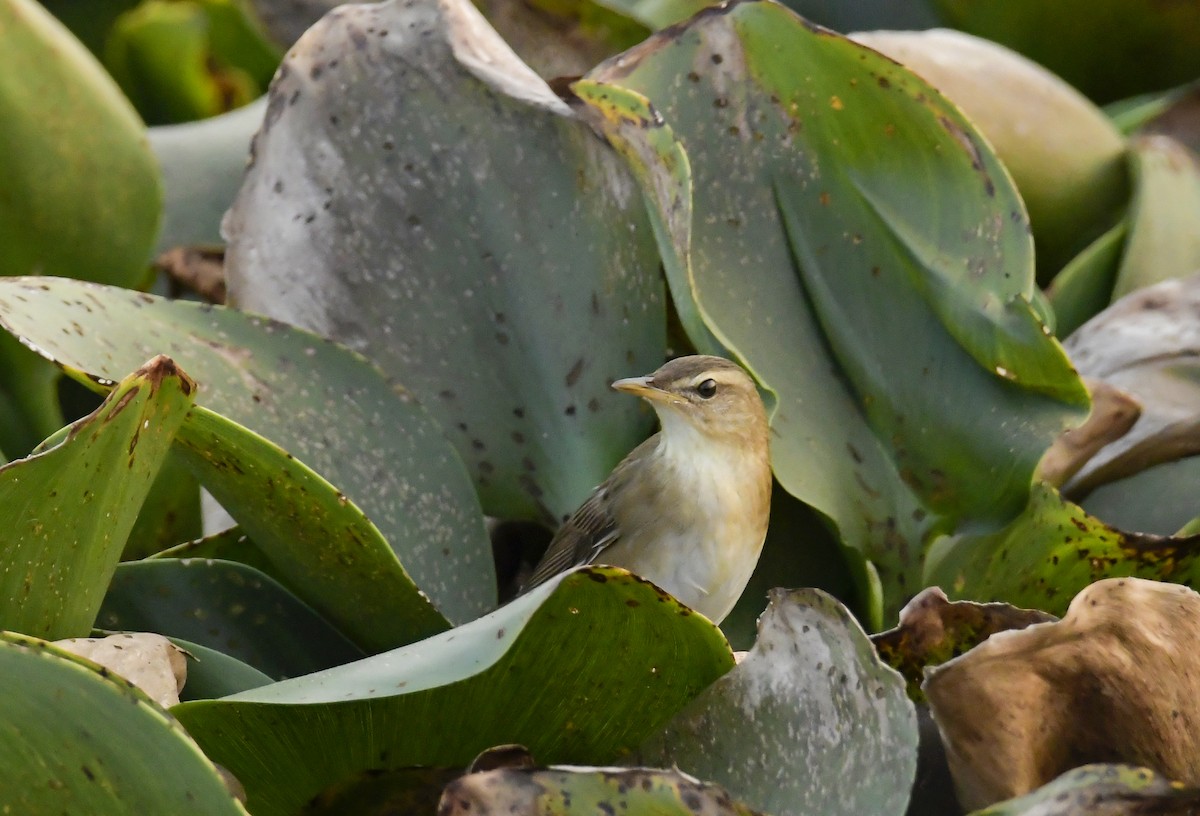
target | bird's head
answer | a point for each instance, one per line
(708, 395)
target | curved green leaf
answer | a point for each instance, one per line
(1158, 500)
(464, 232)
(580, 669)
(855, 242)
(811, 721)
(69, 510)
(1103, 789)
(169, 515)
(81, 193)
(214, 674)
(71, 742)
(321, 403)
(1051, 552)
(317, 540)
(1085, 285)
(225, 606)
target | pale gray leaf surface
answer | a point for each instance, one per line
(421, 195)
(811, 723)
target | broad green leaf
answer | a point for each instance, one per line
(1158, 500)
(811, 721)
(1102, 790)
(71, 742)
(579, 670)
(317, 540)
(569, 791)
(29, 409)
(1164, 217)
(1109, 49)
(214, 674)
(69, 510)
(321, 403)
(1085, 285)
(1051, 552)
(858, 246)
(169, 515)
(81, 193)
(225, 606)
(231, 544)
(202, 167)
(465, 232)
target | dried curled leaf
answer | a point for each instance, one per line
(933, 630)
(149, 661)
(1113, 681)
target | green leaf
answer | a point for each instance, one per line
(81, 193)
(213, 674)
(231, 544)
(1102, 789)
(808, 710)
(1051, 552)
(1158, 500)
(579, 670)
(506, 287)
(1164, 217)
(71, 742)
(856, 244)
(169, 515)
(202, 167)
(229, 607)
(69, 510)
(29, 409)
(1085, 285)
(325, 405)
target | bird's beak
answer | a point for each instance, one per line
(641, 387)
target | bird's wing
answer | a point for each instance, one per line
(592, 528)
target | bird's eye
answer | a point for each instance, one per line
(707, 389)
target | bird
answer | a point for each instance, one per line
(688, 508)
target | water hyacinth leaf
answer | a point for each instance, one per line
(1103, 790)
(69, 510)
(815, 704)
(1051, 552)
(1147, 345)
(213, 674)
(228, 607)
(169, 515)
(202, 167)
(321, 403)
(506, 287)
(231, 544)
(1164, 217)
(29, 409)
(1160, 499)
(584, 791)
(820, 200)
(322, 545)
(81, 190)
(1084, 286)
(626, 657)
(74, 741)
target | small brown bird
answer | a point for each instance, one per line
(688, 508)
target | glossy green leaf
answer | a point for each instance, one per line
(1085, 285)
(213, 674)
(1103, 790)
(29, 409)
(69, 510)
(1164, 217)
(169, 515)
(326, 406)
(811, 721)
(857, 245)
(74, 740)
(1158, 500)
(579, 670)
(202, 167)
(322, 545)
(81, 193)
(1109, 49)
(231, 544)
(465, 232)
(225, 606)
(1051, 552)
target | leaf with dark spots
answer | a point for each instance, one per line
(326, 405)
(70, 508)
